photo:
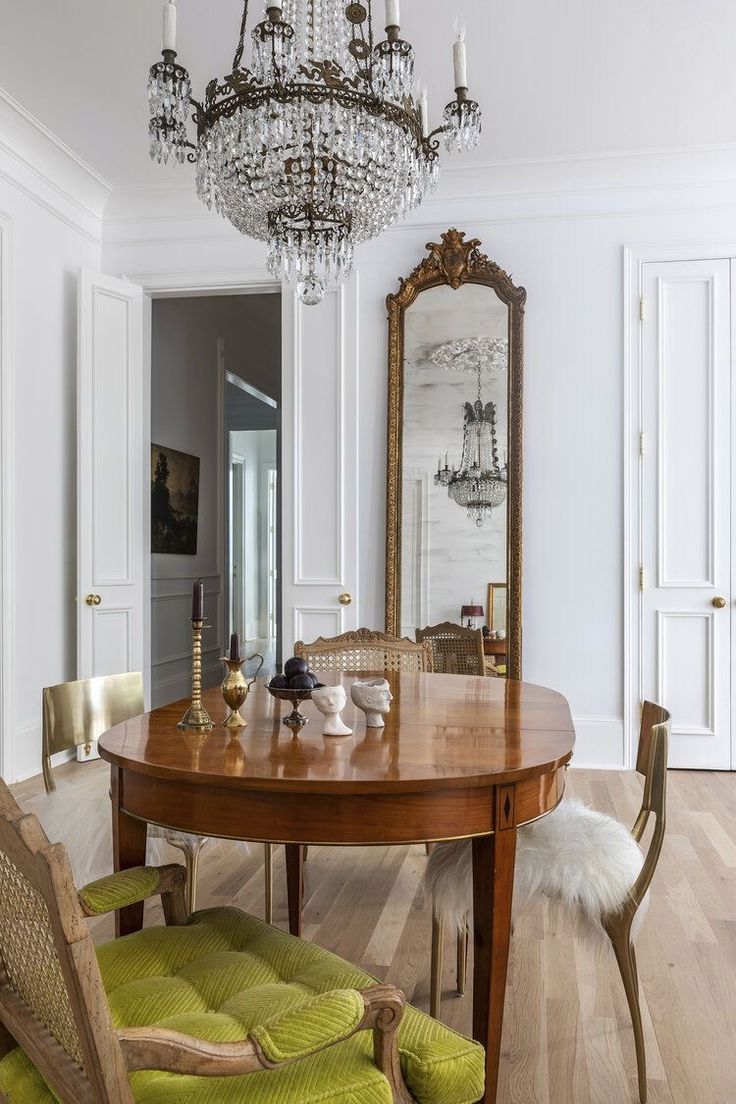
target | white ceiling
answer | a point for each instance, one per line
(556, 78)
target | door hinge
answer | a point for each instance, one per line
(642, 308)
(641, 576)
(642, 448)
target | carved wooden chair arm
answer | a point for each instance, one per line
(319, 1023)
(128, 887)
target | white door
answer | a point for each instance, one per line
(112, 477)
(237, 543)
(319, 467)
(686, 505)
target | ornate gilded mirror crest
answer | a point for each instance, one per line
(454, 497)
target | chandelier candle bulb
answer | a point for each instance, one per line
(392, 14)
(169, 28)
(424, 112)
(460, 59)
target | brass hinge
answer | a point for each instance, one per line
(641, 576)
(642, 308)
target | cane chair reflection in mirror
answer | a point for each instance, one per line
(453, 505)
(455, 649)
(77, 713)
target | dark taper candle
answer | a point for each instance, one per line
(235, 647)
(198, 601)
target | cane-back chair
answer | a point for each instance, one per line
(455, 649)
(212, 1007)
(365, 650)
(579, 856)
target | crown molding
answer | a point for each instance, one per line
(640, 182)
(46, 170)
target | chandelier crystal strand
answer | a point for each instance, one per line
(314, 148)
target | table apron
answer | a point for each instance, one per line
(331, 818)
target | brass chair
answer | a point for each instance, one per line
(564, 855)
(455, 649)
(76, 713)
(365, 650)
(75, 1023)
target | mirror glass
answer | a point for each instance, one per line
(454, 462)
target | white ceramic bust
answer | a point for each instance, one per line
(331, 700)
(374, 698)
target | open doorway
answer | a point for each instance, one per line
(254, 549)
(215, 375)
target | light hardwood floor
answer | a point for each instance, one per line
(567, 1033)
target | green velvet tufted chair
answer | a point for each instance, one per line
(213, 1008)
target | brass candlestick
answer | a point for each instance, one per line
(196, 717)
(235, 688)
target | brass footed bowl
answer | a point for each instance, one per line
(296, 720)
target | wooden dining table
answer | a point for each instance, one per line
(460, 756)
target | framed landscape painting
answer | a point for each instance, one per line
(174, 501)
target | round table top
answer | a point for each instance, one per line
(442, 731)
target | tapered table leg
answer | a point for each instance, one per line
(493, 886)
(129, 849)
(295, 885)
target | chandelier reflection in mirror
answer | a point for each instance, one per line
(481, 482)
(322, 143)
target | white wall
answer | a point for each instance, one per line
(50, 225)
(187, 414)
(559, 229)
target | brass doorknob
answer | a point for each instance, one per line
(345, 599)
(719, 602)
(93, 600)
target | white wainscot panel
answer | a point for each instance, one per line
(685, 433)
(112, 629)
(311, 622)
(319, 446)
(691, 700)
(112, 525)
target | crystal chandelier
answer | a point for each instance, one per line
(481, 482)
(321, 143)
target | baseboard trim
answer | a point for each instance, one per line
(599, 743)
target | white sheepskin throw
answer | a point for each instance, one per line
(576, 855)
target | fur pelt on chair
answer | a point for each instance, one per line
(582, 857)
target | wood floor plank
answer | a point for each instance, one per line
(567, 1033)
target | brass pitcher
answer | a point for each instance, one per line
(235, 688)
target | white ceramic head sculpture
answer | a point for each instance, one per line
(374, 698)
(331, 700)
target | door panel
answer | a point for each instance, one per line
(686, 505)
(111, 477)
(319, 454)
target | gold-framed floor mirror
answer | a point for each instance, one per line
(454, 486)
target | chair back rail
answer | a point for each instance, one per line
(651, 763)
(77, 713)
(365, 650)
(456, 650)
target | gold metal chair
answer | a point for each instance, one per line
(77, 713)
(365, 650)
(453, 860)
(455, 649)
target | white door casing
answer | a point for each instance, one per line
(112, 477)
(320, 511)
(685, 481)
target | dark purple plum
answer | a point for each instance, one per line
(279, 682)
(301, 682)
(296, 666)
(314, 678)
